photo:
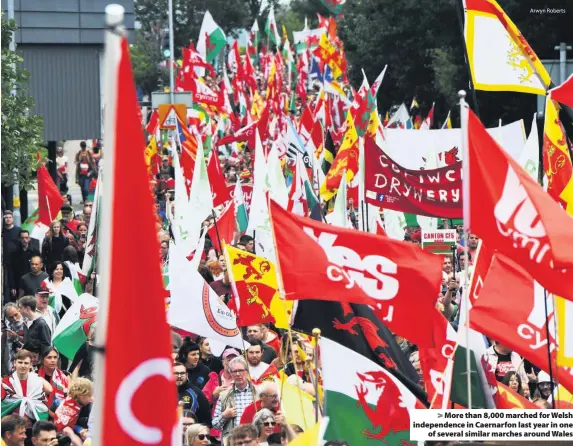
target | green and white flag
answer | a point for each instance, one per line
(529, 158)
(211, 40)
(92, 242)
(36, 229)
(366, 405)
(255, 35)
(271, 28)
(240, 207)
(74, 327)
(339, 216)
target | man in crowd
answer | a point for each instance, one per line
(30, 282)
(12, 336)
(37, 329)
(256, 332)
(248, 242)
(254, 354)
(190, 396)
(268, 399)
(13, 430)
(20, 262)
(233, 401)
(44, 434)
(10, 235)
(245, 435)
(502, 360)
(44, 310)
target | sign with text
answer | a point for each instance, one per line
(439, 241)
(434, 193)
(168, 114)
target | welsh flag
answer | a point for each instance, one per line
(271, 28)
(333, 6)
(35, 227)
(212, 39)
(366, 404)
(92, 243)
(73, 329)
(240, 208)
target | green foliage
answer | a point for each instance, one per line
(146, 59)
(21, 132)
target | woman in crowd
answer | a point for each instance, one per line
(62, 287)
(197, 435)
(207, 358)
(265, 423)
(50, 372)
(54, 244)
(513, 381)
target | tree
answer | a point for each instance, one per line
(21, 131)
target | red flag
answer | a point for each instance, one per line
(217, 181)
(324, 262)
(511, 309)
(564, 93)
(510, 211)
(435, 360)
(505, 398)
(139, 399)
(225, 226)
(153, 122)
(50, 200)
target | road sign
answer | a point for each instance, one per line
(179, 97)
(168, 114)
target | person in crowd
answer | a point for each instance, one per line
(82, 365)
(50, 371)
(233, 401)
(544, 386)
(513, 381)
(20, 263)
(248, 242)
(44, 433)
(256, 332)
(62, 166)
(176, 342)
(69, 223)
(14, 430)
(266, 425)
(44, 309)
(222, 287)
(24, 391)
(62, 287)
(31, 281)
(191, 397)
(164, 253)
(35, 349)
(207, 358)
(225, 376)
(85, 165)
(268, 400)
(13, 331)
(503, 360)
(79, 239)
(197, 435)
(68, 413)
(37, 328)
(189, 355)
(54, 244)
(10, 244)
(254, 354)
(188, 418)
(245, 435)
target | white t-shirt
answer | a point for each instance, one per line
(258, 370)
(62, 162)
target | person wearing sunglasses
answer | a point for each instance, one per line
(265, 423)
(197, 435)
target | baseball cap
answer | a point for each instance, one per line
(229, 352)
(67, 208)
(42, 290)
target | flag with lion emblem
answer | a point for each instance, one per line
(366, 404)
(254, 283)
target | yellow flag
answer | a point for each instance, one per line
(564, 314)
(150, 151)
(297, 405)
(311, 437)
(255, 282)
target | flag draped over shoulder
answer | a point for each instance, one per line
(510, 211)
(499, 56)
(138, 385)
(320, 261)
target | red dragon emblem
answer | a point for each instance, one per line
(89, 315)
(390, 415)
(450, 156)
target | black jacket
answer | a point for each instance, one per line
(195, 400)
(54, 251)
(38, 331)
(199, 375)
(20, 264)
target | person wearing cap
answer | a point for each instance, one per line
(225, 375)
(43, 309)
(31, 281)
(67, 221)
(37, 329)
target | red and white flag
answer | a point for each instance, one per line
(564, 93)
(320, 261)
(138, 399)
(50, 200)
(511, 212)
(217, 181)
(511, 310)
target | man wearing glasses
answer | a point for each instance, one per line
(191, 397)
(232, 402)
(268, 399)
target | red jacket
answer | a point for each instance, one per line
(250, 412)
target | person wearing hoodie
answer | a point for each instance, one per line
(189, 355)
(190, 396)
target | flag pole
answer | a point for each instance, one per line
(316, 333)
(466, 214)
(217, 231)
(113, 36)
(549, 347)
